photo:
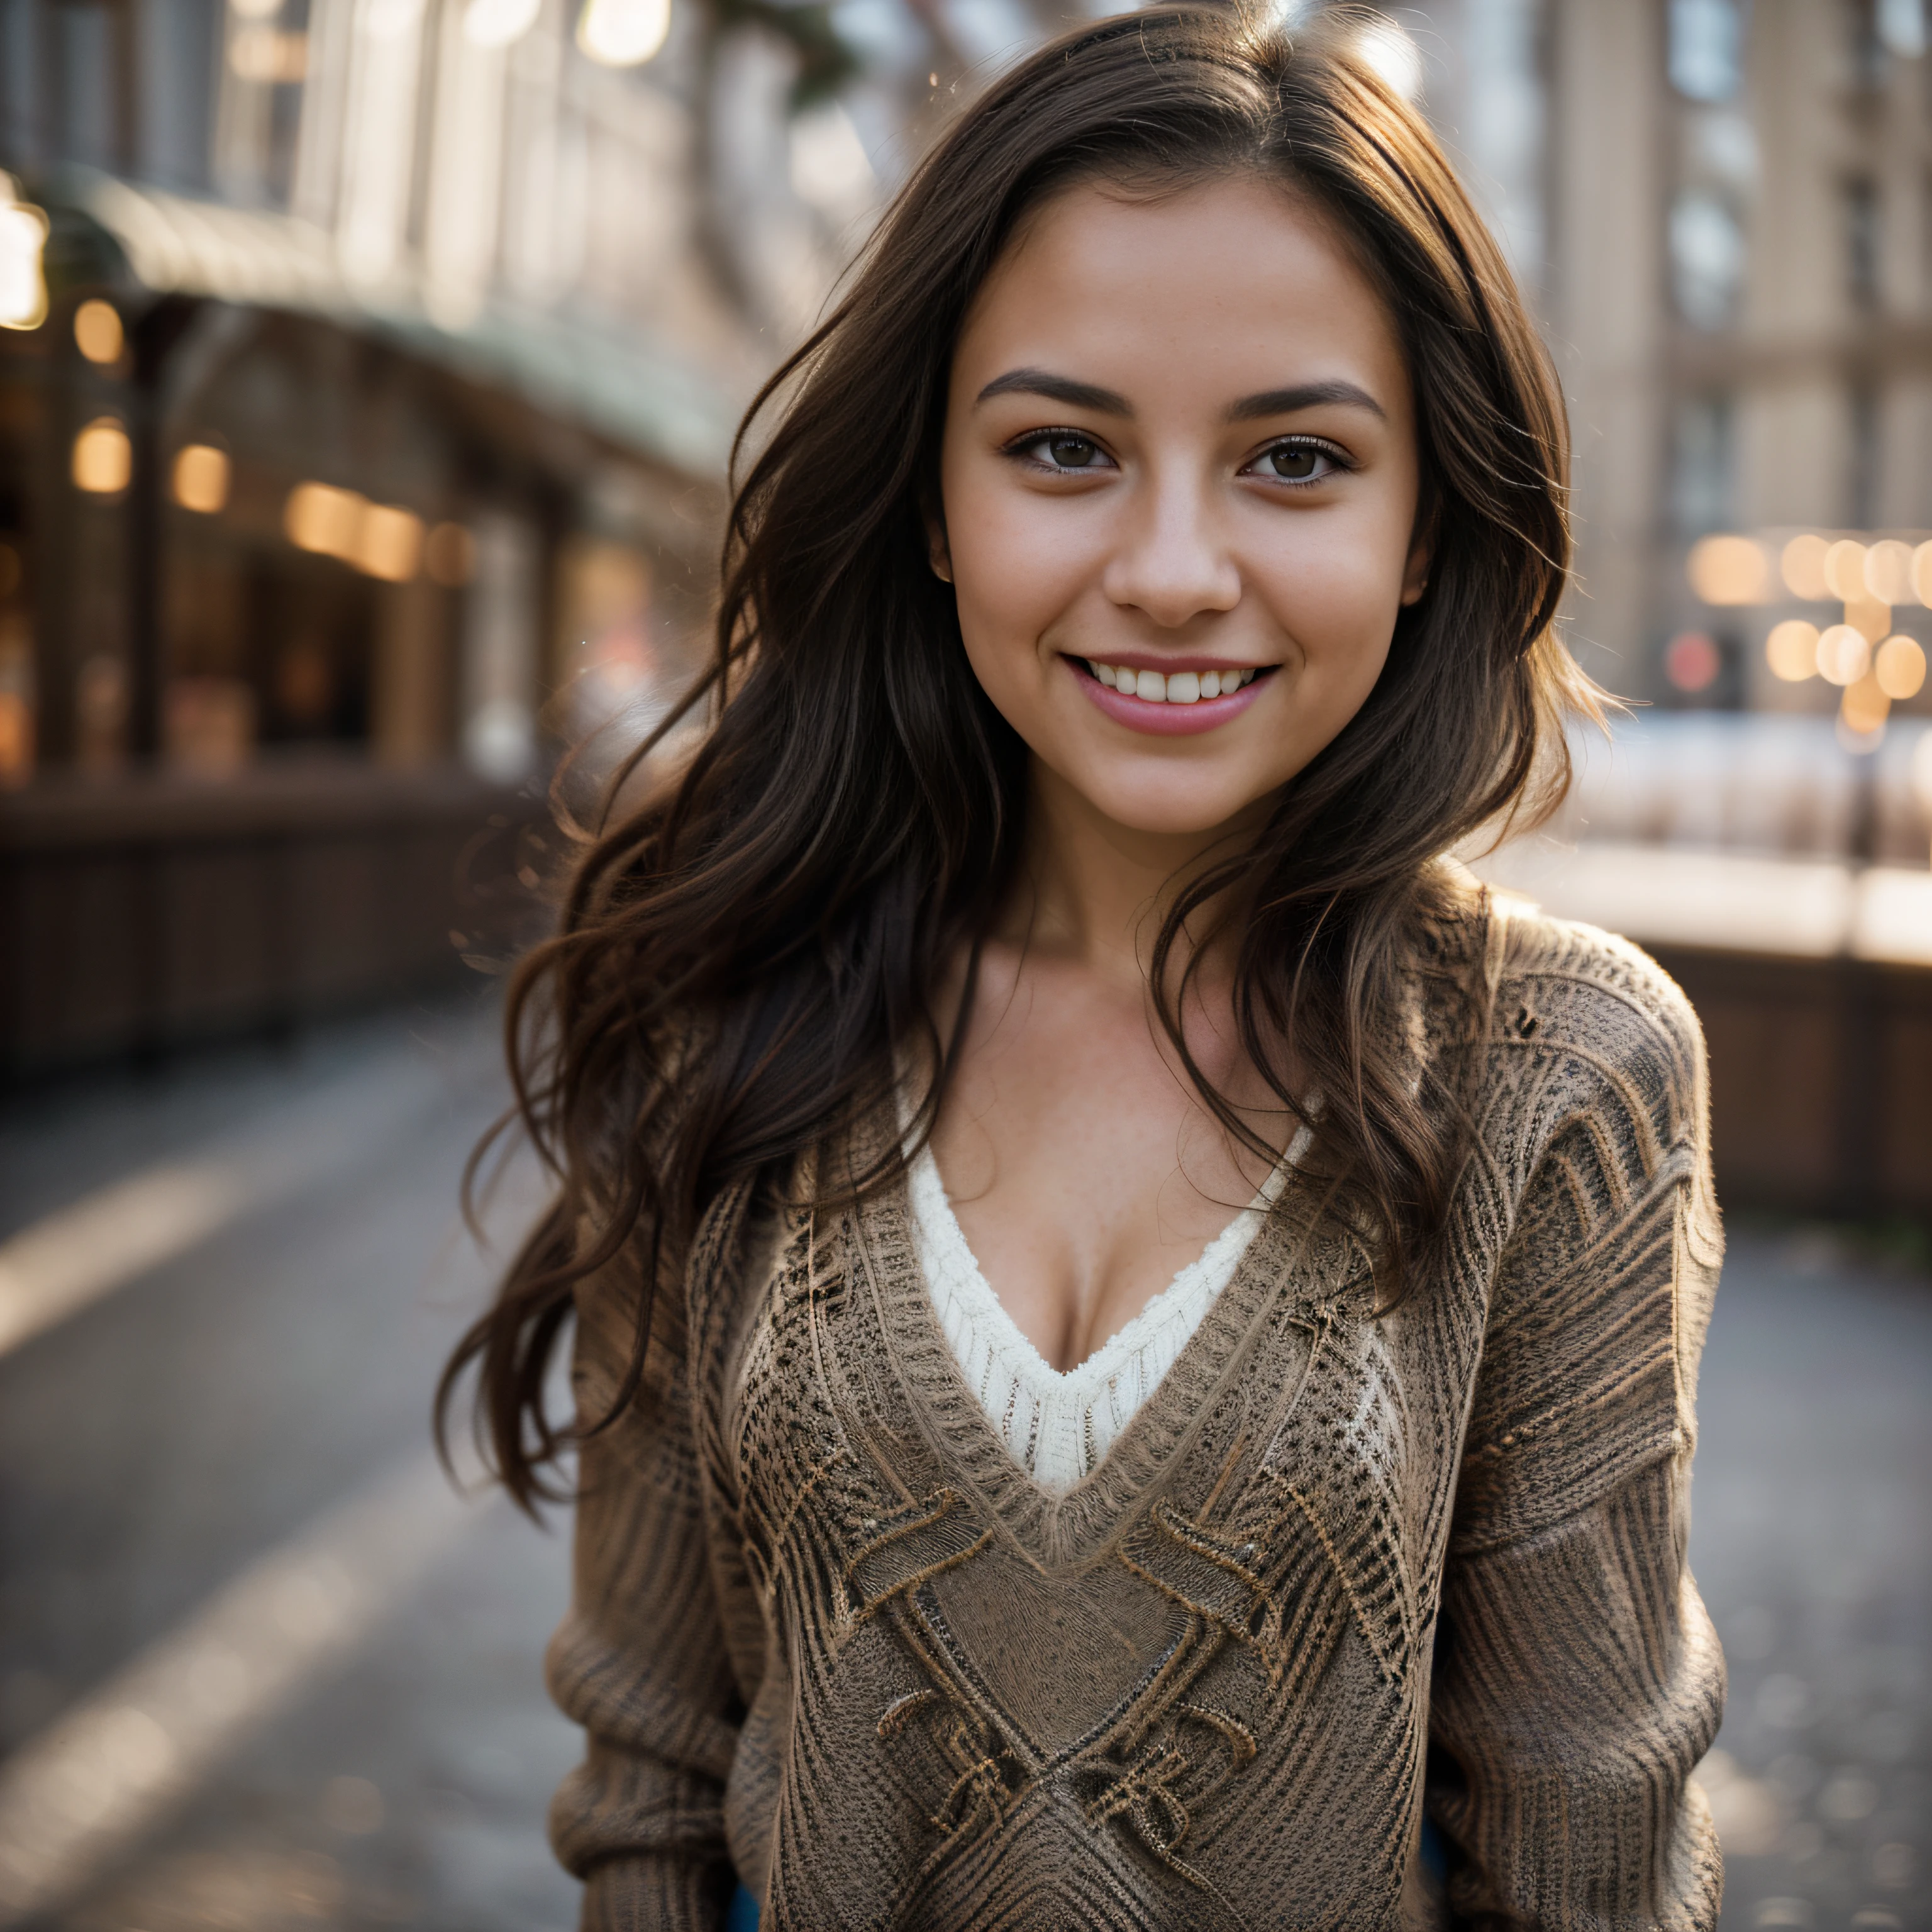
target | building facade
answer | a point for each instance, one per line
(1722, 211)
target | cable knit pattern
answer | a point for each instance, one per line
(1340, 1569)
(1058, 1423)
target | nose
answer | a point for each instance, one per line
(1173, 562)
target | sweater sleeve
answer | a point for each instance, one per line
(640, 1661)
(1577, 1679)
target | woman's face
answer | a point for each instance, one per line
(1179, 482)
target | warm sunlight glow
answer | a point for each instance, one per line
(623, 33)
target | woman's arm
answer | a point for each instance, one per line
(1577, 1679)
(640, 1661)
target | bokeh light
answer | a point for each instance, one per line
(1888, 571)
(23, 235)
(1692, 660)
(1900, 667)
(104, 458)
(201, 478)
(1729, 570)
(1802, 566)
(323, 519)
(1844, 655)
(1791, 650)
(1922, 573)
(1844, 570)
(97, 332)
(623, 33)
(388, 543)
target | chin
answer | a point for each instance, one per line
(1169, 810)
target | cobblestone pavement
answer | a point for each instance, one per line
(259, 1670)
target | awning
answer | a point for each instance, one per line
(630, 392)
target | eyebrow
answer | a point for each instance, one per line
(1057, 389)
(1078, 395)
(1304, 396)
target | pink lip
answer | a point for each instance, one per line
(1155, 661)
(1167, 720)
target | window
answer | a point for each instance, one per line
(1702, 467)
(1706, 49)
(1861, 216)
(1707, 258)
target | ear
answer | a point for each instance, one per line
(1421, 555)
(938, 553)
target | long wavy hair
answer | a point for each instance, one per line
(739, 957)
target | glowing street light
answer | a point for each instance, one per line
(623, 33)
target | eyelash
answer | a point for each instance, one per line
(1026, 446)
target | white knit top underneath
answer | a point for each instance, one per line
(1058, 1425)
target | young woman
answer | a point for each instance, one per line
(1134, 1332)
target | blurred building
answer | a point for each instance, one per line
(367, 376)
(1722, 211)
(367, 384)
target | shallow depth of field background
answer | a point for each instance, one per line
(367, 372)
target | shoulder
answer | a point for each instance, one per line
(1598, 1020)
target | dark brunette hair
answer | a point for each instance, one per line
(738, 958)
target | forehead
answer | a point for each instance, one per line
(1235, 279)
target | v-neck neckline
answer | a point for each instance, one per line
(1060, 1527)
(1106, 1358)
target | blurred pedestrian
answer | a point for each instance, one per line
(1134, 1330)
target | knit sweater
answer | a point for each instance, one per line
(1343, 1567)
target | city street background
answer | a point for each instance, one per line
(232, 1406)
(368, 370)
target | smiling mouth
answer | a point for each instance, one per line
(1178, 687)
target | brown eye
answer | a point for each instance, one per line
(1297, 462)
(1071, 452)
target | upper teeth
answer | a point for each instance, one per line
(1179, 687)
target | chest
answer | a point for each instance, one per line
(1084, 1169)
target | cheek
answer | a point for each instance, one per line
(1337, 596)
(1014, 570)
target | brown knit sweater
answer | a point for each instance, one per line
(1339, 1569)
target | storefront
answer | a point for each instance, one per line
(286, 572)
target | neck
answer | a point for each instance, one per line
(1096, 891)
